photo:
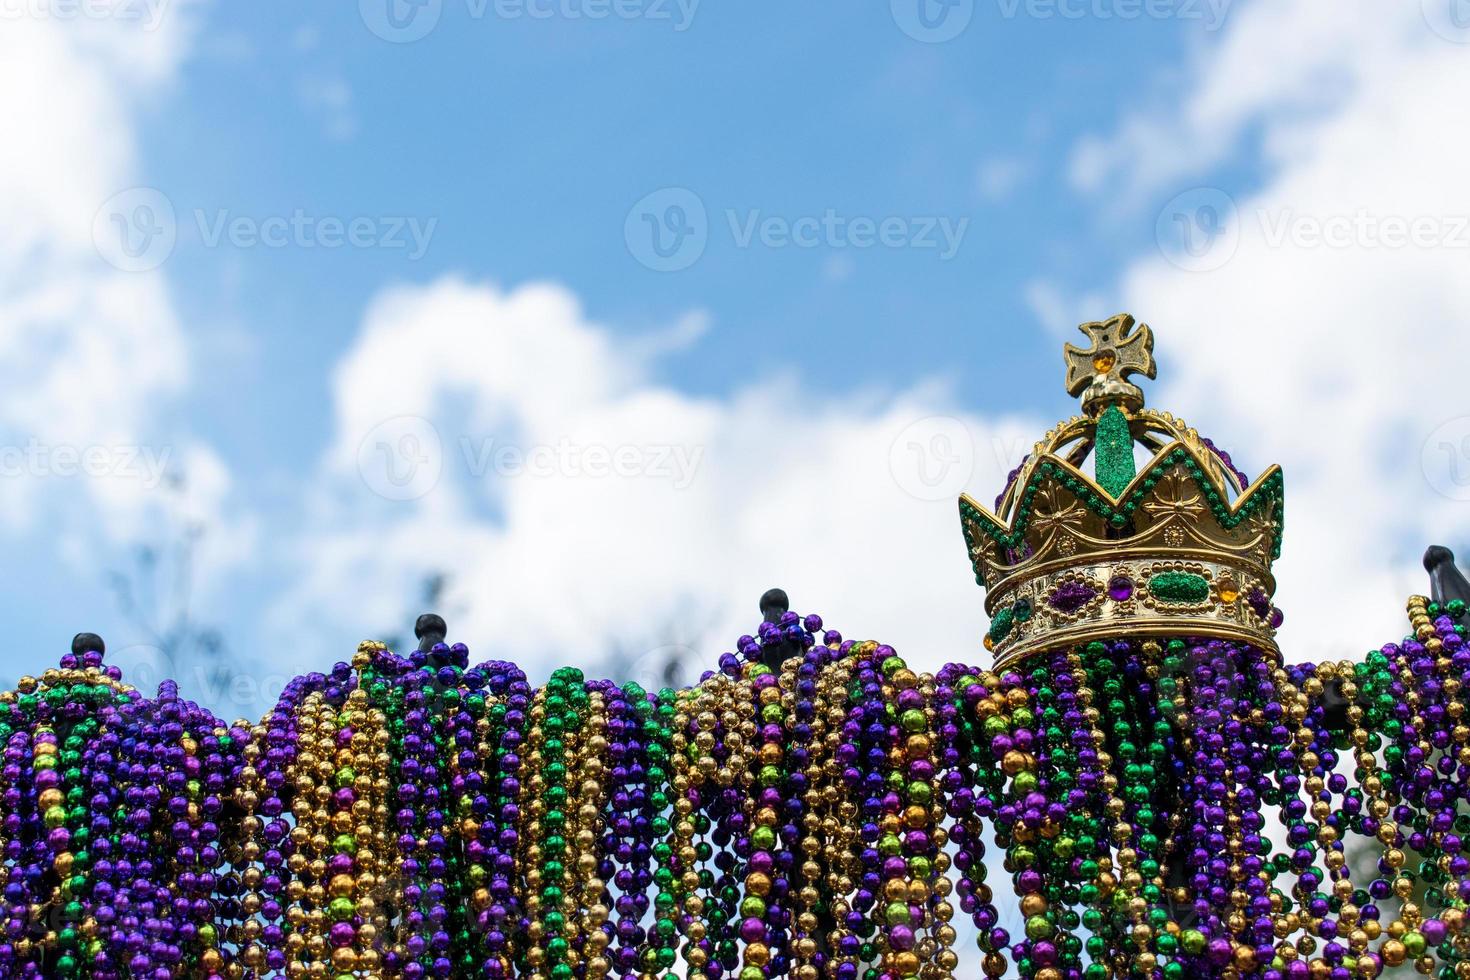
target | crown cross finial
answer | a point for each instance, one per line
(1100, 373)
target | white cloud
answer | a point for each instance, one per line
(791, 485)
(91, 356)
(85, 349)
(1337, 360)
(1285, 66)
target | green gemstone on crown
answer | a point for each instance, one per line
(1113, 461)
(1179, 587)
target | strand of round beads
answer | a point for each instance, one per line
(554, 715)
(464, 790)
(761, 922)
(676, 873)
(149, 932)
(341, 829)
(266, 843)
(70, 832)
(1298, 770)
(927, 761)
(806, 731)
(588, 775)
(27, 929)
(907, 835)
(731, 741)
(94, 747)
(973, 784)
(62, 914)
(15, 950)
(773, 867)
(304, 941)
(201, 761)
(695, 773)
(685, 779)
(1049, 846)
(740, 717)
(841, 823)
(503, 733)
(447, 865)
(529, 857)
(621, 863)
(872, 782)
(420, 942)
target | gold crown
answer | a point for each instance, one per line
(1181, 548)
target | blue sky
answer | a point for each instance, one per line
(1063, 147)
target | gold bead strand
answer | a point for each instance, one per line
(589, 777)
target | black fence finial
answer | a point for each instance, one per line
(1446, 582)
(430, 629)
(87, 643)
(774, 604)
